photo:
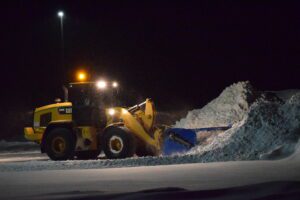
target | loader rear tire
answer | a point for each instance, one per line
(60, 144)
(118, 142)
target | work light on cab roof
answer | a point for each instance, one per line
(102, 84)
(81, 76)
(115, 84)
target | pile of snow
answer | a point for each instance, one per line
(7, 146)
(262, 123)
(230, 107)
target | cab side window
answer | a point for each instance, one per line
(45, 119)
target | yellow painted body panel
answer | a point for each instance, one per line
(31, 135)
(84, 132)
(140, 123)
(136, 128)
(53, 109)
(55, 105)
(36, 132)
(148, 115)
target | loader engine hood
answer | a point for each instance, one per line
(56, 105)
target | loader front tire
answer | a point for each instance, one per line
(118, 142)
(60, 144)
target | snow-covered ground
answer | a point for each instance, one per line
(17, 146)
(60, 184)
(19, 151)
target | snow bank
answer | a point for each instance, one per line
(262, 123)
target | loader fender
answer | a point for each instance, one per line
(58, 124)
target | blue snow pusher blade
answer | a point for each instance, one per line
(180, 140)
(219, 128)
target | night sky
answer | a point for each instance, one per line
(180, 53)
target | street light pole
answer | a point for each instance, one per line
(61, 16)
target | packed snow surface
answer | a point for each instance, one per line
(17, 146)
(56, 184)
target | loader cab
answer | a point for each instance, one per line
(89, 103)
(87, 94)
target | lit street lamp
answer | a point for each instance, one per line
(60, 14)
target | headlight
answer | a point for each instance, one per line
(115, 84)
(101, 84)
(111, 111)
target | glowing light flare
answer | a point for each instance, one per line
(101, 84)
(60, 14)
(111, 111)
(81, 76)
(115, 84)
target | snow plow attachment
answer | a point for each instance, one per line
(180, 140)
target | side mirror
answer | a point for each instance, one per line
(57, 100)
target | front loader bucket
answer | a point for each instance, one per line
(178, 140)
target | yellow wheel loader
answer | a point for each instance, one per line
(85, 124)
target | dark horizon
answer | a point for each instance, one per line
(181, 54)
